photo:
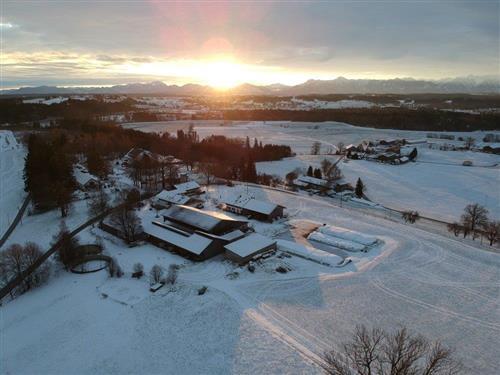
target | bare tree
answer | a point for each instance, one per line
(16, 259)
(66, 245)
(114, 269)
(410, 216)
(474, 216)
(156, 274)
(128, 222)
(290, 177)
(207, 169)
(455, 228)
(31, 253)
(99, 202)
(325, 166)
(340, 147)
(316, 148)
(331, 172)
(399, 353)
(469, 142)
(492, 231)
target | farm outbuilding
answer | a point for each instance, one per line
(254, 208)
(248, 248)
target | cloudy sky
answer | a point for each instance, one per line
(225, 43)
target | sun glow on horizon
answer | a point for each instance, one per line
(225, 74)
(219, 73)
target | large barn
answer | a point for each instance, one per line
(191, 218)
(191, 245)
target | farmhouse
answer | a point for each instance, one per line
(248, 248)
(256, 209)
(189, 188)
(86, 181)
(166, 198)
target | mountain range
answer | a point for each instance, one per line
(340, 85)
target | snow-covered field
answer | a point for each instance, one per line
(261, 322)
(437, 185)
(55, 100)
(11, 178)
(298, 135)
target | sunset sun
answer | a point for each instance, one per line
(224, 74)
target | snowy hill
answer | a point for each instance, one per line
(11, 178)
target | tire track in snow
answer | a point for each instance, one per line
(470, 319)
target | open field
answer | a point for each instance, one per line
(298, 135)
(260, 322)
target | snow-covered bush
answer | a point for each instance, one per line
(156, 274)
(202, 290)
(172, 274)
(138, 270)
(114, 268)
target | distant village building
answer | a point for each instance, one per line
(308, 182)
(248, 248)
(49, 122)
(254, 208)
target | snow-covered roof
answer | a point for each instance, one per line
(253, 204)
(172, 196)
(228, 237)
(204, 220)
(190, 185)
(249, 244)
(192, 242)
(83, 177)
(313, 180)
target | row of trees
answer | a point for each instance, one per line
(391, 118)
(475, 222)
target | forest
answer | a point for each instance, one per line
(385, 118)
